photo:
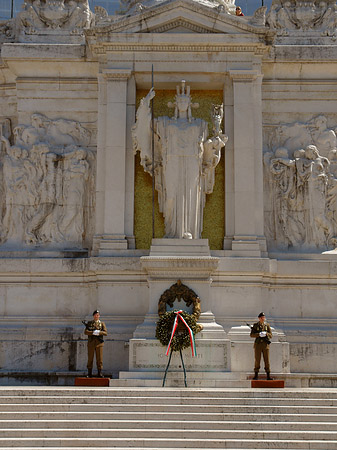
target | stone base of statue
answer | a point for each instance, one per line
(180, 247)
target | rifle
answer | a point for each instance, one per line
(89, 326)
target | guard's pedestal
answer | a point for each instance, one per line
(95, 382)
(276, 384)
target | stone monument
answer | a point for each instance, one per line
(72, 187)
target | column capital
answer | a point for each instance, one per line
(245, 75)
(116, 74)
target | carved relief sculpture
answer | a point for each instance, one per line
(46, 184)
(300, 181)
(292, 16)
(70, 15)
(184, 161)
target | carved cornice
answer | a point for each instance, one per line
(116, 74)
(244, 75)
(104, 48)
(181, 23)
(191, 267)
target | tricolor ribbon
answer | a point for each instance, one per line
(174, 329)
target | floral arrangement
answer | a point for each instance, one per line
(181, 338)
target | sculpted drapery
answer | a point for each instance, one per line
(184, 162)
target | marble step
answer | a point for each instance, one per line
(163, 443)
(89, 392)
(7, 403)
(191, 410)
(179, 382)
(168, 434)
(252, 417)
(139, 448)
(152, 448)
(228, 424)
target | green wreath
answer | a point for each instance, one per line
(181, 339)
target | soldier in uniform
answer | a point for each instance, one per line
(261, 331)
(95, 330)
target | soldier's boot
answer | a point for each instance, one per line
(256, 376)
(269, 377)
(89, 373)
(99, 374)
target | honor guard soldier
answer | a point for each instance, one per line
(95, 330)
(261, 331)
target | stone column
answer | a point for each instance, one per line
(130, 164)
(229, 162)
(110, 233)
(247, 163)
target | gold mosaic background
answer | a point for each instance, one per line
(214, 211)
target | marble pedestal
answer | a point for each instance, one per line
(242, 351)
(213, 351)
(171, 260)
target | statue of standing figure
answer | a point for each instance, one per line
(184, 160)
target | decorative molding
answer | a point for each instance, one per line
(104, 48)
(181, 23)
(116, 74)
(244, 75)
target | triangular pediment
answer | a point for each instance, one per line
(181, 16)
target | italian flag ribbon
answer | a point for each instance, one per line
(174, 329)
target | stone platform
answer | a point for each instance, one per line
(99, 382)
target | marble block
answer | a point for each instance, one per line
(180, 247)
(213, 350)
(242, 351)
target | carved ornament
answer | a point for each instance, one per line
(179, 291)
(46, 186)
(294, 17)
(41, 16)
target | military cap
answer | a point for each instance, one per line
(261, 314)
(95, 312)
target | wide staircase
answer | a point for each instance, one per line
(154, 418)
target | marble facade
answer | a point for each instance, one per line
(69, 82)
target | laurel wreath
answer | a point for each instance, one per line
(181, 339)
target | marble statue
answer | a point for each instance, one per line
(46, 184)
(184, 160)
